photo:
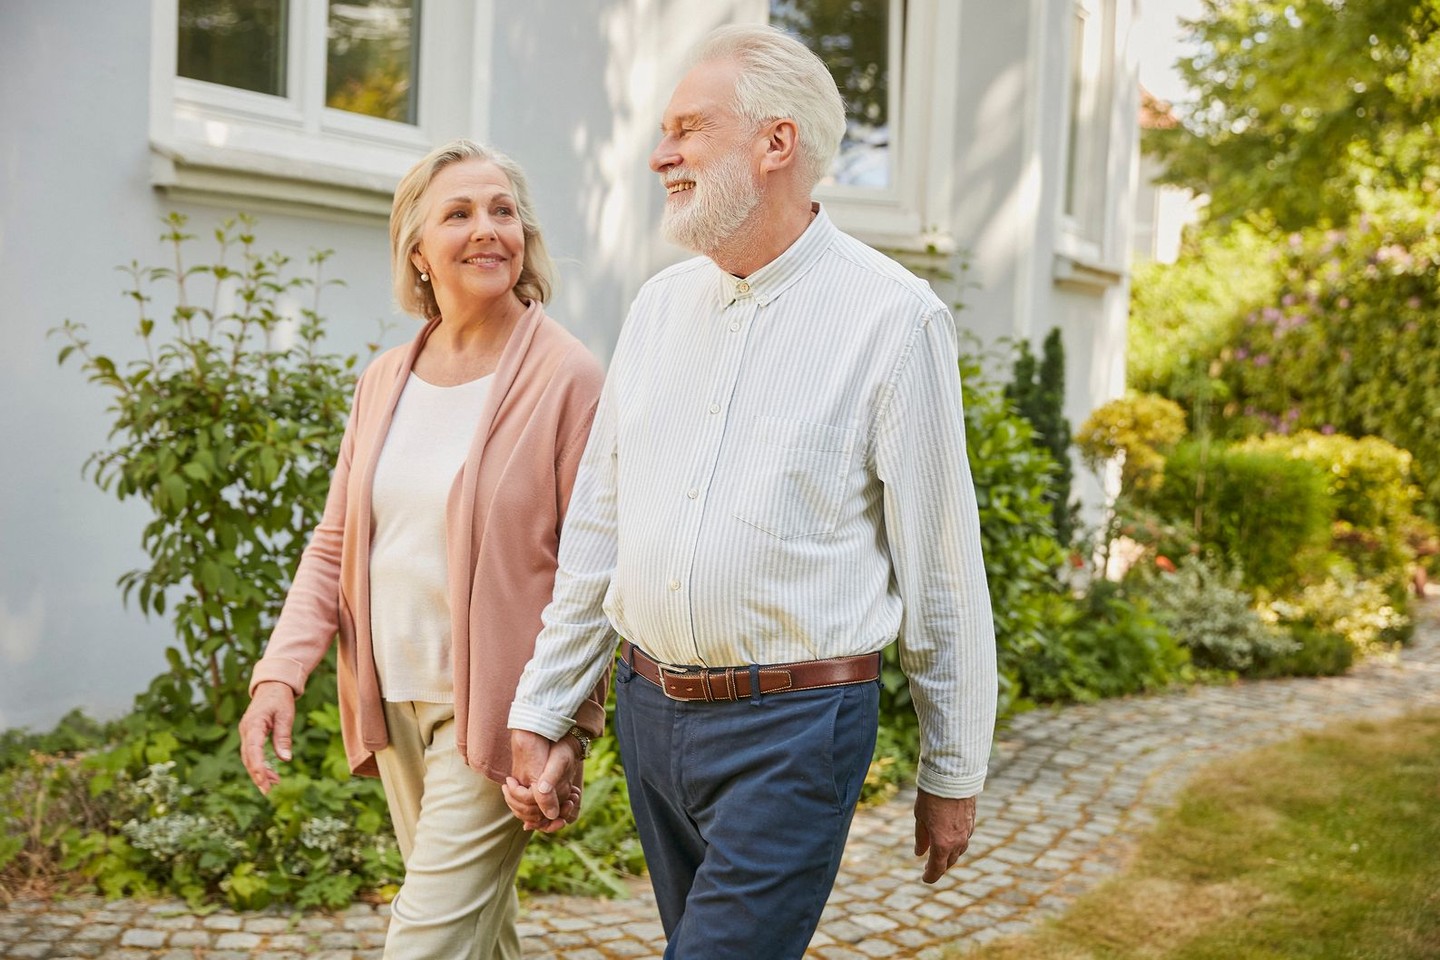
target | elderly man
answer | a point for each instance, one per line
(775, 489)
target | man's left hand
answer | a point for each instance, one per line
(943, 827)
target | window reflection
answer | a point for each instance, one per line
(237, 43)
(372, 57)
(853, 38)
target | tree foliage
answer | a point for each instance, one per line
(1037, 389)
(1303, 109)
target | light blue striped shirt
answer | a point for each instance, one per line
(777, 472)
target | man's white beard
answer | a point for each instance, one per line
(720, 203)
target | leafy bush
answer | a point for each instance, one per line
(1369, 482)
(1142, 428)
(1349, 343)
(1212, 618)
(45, 801)
(1317, 653)
(1038, 392)
(1261, 512)
(1012, 475)
(192, 824)
(44, 798)
(1107, 643)
(1182, 315)
(75, 732)
(227, 428)
(1360, 611)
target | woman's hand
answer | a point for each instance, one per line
(544, 792)
(271, 713)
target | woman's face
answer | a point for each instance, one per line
(471, 241)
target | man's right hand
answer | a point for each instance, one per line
(271, 714)
(543, 787)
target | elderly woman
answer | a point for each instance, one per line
(437, 550)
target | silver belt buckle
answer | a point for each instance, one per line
(684, 684)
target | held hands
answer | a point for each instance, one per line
(271, 713)
(543, 790)
(942, 827)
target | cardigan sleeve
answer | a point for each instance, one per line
(311, 613)
(580, 417)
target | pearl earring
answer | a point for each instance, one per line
(424, 277)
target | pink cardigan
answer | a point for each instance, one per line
(503, 524)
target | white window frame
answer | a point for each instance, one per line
(1082, 235)
(906, 216)
(219, 144)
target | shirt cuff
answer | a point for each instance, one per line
(950, 788)
(550, 725)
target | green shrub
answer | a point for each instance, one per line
(1261, 512)
(1369, 482)
(1037, 389)
(75, 732)
(1107, 643)
(1358, 610)
(1012, 475)
(227, 426)
(1317, 653)
(45, 804)
(1212, 618)
(45, 799)
(1142, 428)
(229, 437)
(1349, 341)
(1182, 315)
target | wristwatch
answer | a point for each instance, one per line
(584, 740)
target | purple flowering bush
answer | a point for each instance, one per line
(1350, 344)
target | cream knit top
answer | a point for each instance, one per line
(426, 445)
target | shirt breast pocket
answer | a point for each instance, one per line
(792, 480)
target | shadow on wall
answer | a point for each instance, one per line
(587, 151)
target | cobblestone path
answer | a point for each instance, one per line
(1068, 790)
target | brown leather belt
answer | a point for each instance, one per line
(712, 684)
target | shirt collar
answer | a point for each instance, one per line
(775, 277)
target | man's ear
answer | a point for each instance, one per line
(782, 145)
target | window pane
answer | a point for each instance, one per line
(374, 48)
(239, 43)
(1076, 126)
(853, 38)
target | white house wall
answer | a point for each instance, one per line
(1010, 159)
(75, 202)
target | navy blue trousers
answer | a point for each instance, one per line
(743, 809)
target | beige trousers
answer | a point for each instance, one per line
(460, 843)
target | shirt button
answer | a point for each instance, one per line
(742, 287)
(674, 584)
(692, 493)
(735, 326)
(714, 408)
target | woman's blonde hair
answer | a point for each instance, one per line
(406, 218)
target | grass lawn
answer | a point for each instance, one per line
(1323, 848)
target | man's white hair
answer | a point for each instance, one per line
(781, 77)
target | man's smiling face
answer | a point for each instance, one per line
(705, 160)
